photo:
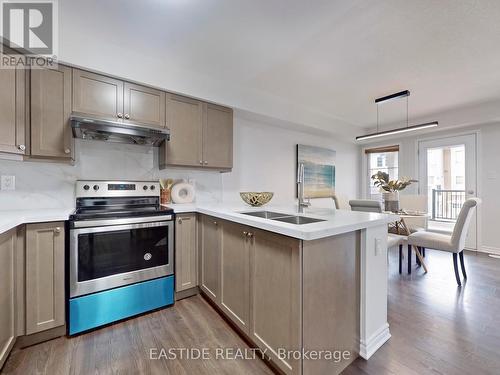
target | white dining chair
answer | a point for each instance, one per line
(393, 240)
(455, 243)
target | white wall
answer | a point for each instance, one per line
(488, 174)
(264, 160)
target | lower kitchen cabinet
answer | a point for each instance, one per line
(44, 276)
(210, 241)
(185, 252)
(234, 274)
(254, 277)
(275, 295)
(7, 293)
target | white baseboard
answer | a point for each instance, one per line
(489, 250)
(379, 338)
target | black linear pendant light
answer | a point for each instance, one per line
(408, 128)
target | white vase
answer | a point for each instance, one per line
(391, 201)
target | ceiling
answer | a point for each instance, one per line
(327, 58)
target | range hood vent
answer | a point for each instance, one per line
(85, 127)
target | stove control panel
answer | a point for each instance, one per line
(117, 189)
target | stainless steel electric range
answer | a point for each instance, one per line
(120, 253)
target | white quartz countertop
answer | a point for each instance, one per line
(12, 218)
(335, 221)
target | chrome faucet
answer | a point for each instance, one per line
(300, 187)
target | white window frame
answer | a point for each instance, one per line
(365, 167)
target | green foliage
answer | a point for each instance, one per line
(381, 180)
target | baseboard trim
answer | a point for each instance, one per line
(489, 250)
(187, 293)
(379, 338)
(36, 338)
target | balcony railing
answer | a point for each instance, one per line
(446, 204)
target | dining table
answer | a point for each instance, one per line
(401, 227)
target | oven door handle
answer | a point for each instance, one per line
(122, 221)
(114, 228)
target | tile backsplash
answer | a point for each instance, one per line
(51, 185)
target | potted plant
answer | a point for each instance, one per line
(391, 189)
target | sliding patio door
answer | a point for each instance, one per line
(448, 176)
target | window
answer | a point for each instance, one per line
(384, 159)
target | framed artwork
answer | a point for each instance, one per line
(319, 170)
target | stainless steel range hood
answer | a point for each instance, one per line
(85, 127)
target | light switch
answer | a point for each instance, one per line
(8, 182)
(378, 246)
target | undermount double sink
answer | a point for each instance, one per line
(286, 218)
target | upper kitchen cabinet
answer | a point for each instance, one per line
(144, 105)
(201, 135)
(113, 99)
(218, 137)
(12, 110)
(97, 95)
(185, 121)
(50, 112)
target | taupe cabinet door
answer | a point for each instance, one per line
(50, 111)
(210, 248)
(12, 110)
(144, 105)
(275, 296)
(259, 284)
(97, 95)
(218, 137)
(7, 293)
(235, 267)
(185, 252)
(184, 119)
(44, 276)
(201, 134)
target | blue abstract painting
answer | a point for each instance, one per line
(319, 171)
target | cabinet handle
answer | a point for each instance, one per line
(21, 147)
(67, 150)
(57, 230)
(201, 161)
(127, 116)
(250, 235)
(245, 233)
(119, 115)
(180, 221)
(206, 162)
(216, 223)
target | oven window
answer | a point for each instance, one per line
(110, 253)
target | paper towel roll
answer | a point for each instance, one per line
(183, 192)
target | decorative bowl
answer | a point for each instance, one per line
(256, 199)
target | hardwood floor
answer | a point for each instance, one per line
(124, 348)
(436, 328)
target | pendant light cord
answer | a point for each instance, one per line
(407, 117)
(377, 117)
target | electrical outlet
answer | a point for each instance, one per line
(8, 182)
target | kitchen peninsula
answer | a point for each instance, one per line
(295, 288)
